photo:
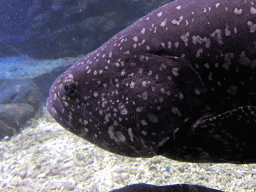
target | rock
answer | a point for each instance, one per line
(20, 99)
(6, 131)
(13, 117)
(19, 91)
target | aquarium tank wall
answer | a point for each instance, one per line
(127, 95)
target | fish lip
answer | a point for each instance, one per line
(53, 105)
(49, 106)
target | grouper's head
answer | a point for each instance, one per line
(128, 105)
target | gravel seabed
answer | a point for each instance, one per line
(45, 157)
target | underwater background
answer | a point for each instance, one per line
(39, 40)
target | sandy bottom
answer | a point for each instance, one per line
(46, 157)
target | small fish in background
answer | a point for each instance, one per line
(179, 82)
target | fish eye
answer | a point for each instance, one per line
(70, 88)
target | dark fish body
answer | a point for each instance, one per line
(168, 188)
(179, 82)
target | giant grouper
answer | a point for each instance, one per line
(179, 82)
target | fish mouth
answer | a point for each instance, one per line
(55, 107)
(55, 104)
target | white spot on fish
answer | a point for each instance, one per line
(218, 35)
(181, 96)
(130, 134)
(169, 45)
(159, 14)
(119, 135)
(185, 38)
(206, 65)
(127, 52)
(95, 94)
(144, 132)
(142, 57)
(144, 83)
(199, 51)
(227, 31)
(153, 118)
(144, 122)
(163, 66)
(132, 84)
(110, 54)
(176, 111)
(162, 90)
(107, 117)
(252, 26)
(139, 109)
(238, 11)
(145, 95)
(163, 23)
(175, 72)
(123, 72)
(176, 44)
(135, 38)
(143, 31)
(253, 10)
(70, 76)
(197, 92)
(235, 30)
(177, 22)
(178, 7)
(124, 111)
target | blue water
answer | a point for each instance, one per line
(16, 60)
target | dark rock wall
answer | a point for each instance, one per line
(50, 29)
